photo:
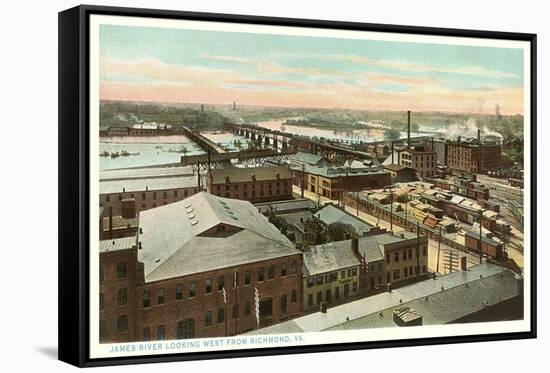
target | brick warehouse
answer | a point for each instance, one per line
(258, 184)
(168, 282)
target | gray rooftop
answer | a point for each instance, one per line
(152, 184)
(333, 171)
(308, 158)
(240, 175)
(136, 173)
(440, 301)
(329, 257)
(331, 214)
(117, 244)
(174, 244)
(286, 206)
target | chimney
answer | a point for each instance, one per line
(392, 153)
(463, 264)
(110, 222)
(479, 136)
(408, 128)
(123, 189)
(355, 246)
(323, 307)
(253, 177)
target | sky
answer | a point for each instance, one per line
(215, 67)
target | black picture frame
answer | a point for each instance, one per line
(74, 191)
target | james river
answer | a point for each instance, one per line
(147, 151)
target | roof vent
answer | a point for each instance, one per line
(192, 216)
(194, 222)
(187, 205)
(157, 260)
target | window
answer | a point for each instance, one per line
(154, 195)
(120, 197)
(235, 311)
(247, 278)
(161, 333)
(270, 272)
(192, 289)
(175, 194)
(266, 308)
(319, 280)
(108, 198)
(337, 292)
(388, 259)
(260, 274)
(165, 194)
(284, 309)
(146, 298)
(179, 292)
(310, 300)
(283, 270)
(143, 196)
(404, 254)
(146, 334)
(208, 318)
(319, 297)
(396, 274)
(328, 295)
(424, 250)
(221, 315)
(310, 282)
(354, 286)
(247, 308)
(410, 253)
(208, 286)
(185, 329)
(101, 274)
(221, 283)
(100, 301)
(343, 274)
(293, 267)
(406, 272)
(121, 270)
(122, 324)
(354, 271)
(293, 296)
(396, 258)
(423, 269)
(346, 290)
(160, 296)
(122, 297)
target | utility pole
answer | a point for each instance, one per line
(480, 244)
(391, 210)
(303, 178)
(417, 249)
(438, 251)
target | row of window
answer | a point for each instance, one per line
(407, 272)
(220, 285)
(328, 294)
(165, 194)
(237, 195)
(245, 186)
(331, 277)
(405, 254)
(121, 299)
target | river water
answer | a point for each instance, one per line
(346, 135)
(146, 151)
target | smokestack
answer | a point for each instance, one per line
(479, 136)
(110, 222)
(355, 246)
(408, 128)
(392, 152)
(463, 264)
